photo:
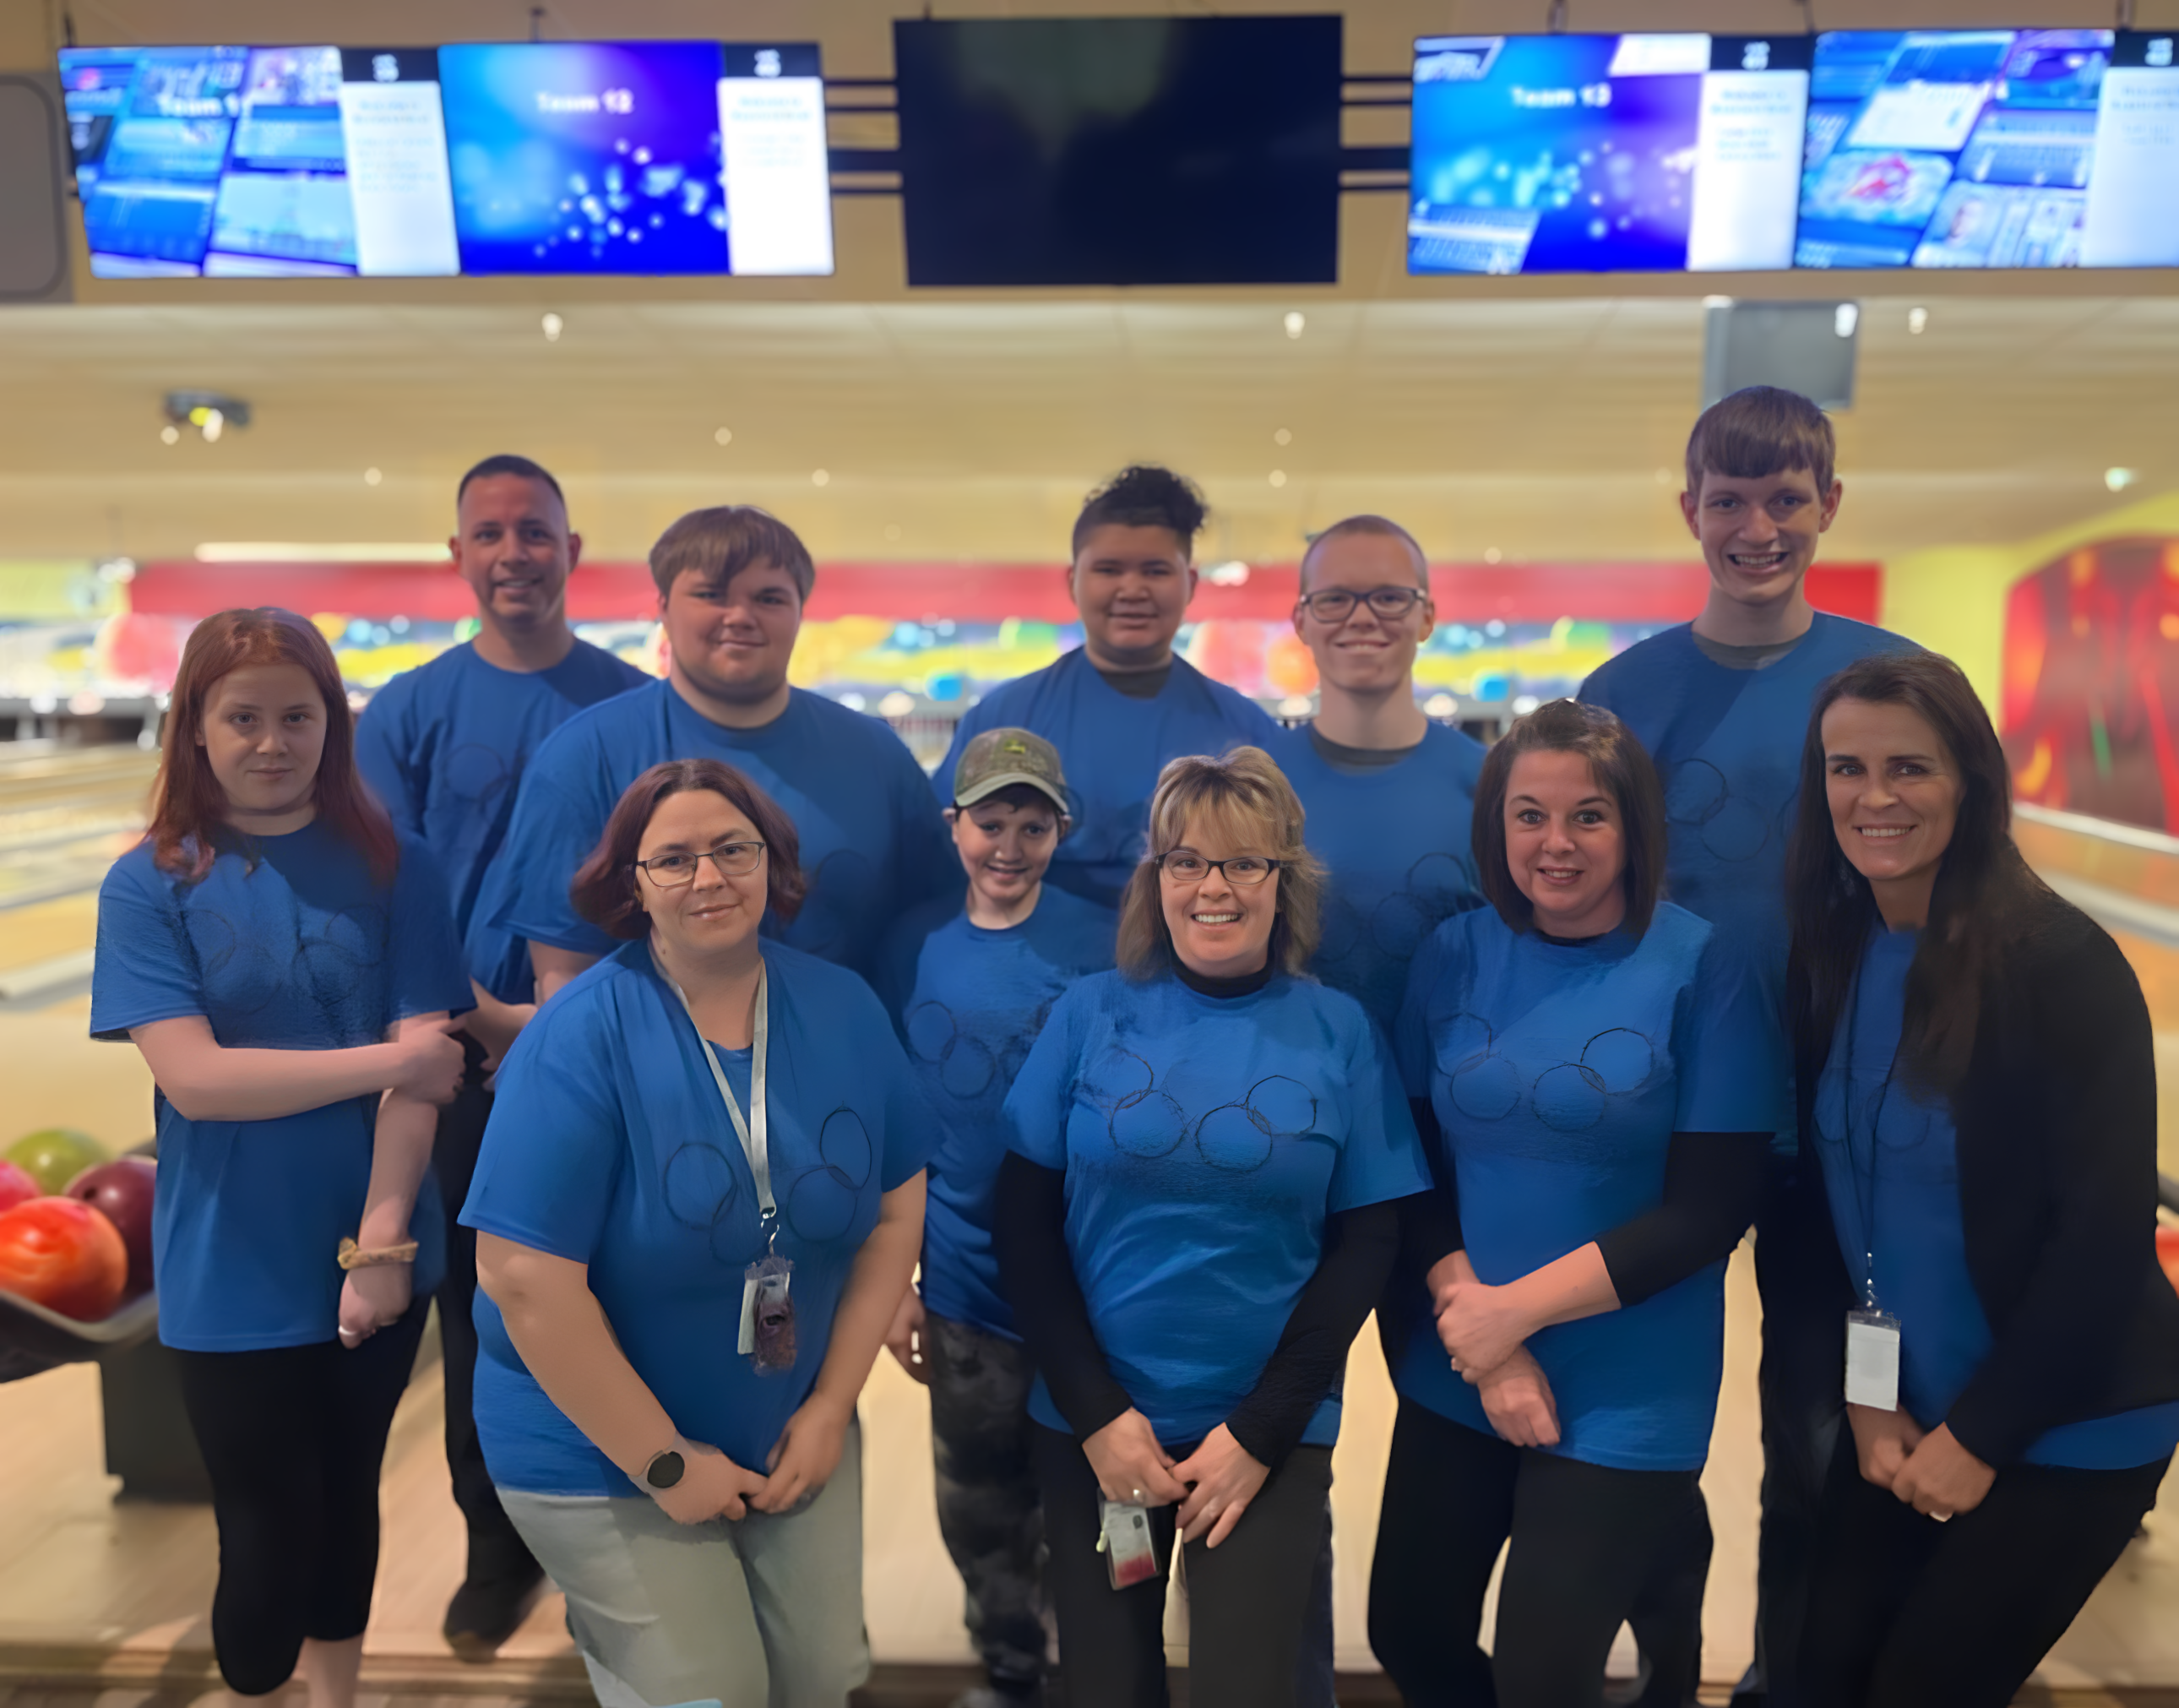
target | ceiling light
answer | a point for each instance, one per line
(820, 477)
(1918, 320)
(1296, 321)
(170, 434)
(211, 423)
(1296, 705)
(1491, 554)
(1524, 704)
(725, 436)
(1278, 477)
(1717, 302)
(1845, 318)
(1233, 572)
(371, 477)
(554, 326)
(2118, 479)
(1282, 437)
(1440, 705)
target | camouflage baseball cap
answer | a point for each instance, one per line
(1001, 758)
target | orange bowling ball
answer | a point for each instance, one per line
(63, 1254)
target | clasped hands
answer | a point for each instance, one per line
(1212, 1486)
(1929, 1470)
(1485, 1333)
(800, 1463)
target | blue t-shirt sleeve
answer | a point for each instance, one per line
(143, 969)
(556, 1140)
(383, 742)
(552, 833)
(429, 972)
(1730, 1048)
(1383, 1157)
(1411, 1047)
(1036, 1107)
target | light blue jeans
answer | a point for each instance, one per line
(766, 1613)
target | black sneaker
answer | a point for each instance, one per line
(485, 1612)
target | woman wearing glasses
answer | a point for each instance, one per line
(698, 1201)
(1194, 1219)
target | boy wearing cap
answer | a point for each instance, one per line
(970, 980)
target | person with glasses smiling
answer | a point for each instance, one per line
(698, 1203)
(1389, 794)
(1195, 1217)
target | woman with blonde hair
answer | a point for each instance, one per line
(1194, 1219)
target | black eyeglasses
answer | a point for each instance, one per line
(1336, 604)
(1191, 868)
(673, 871)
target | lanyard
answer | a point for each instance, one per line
(755, 1133)
(1864, 1188)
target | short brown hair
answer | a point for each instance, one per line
(1252, 796)
(604, 889)
(1382, 527)
(1622, 767)
(724, 541)
(1759, 430)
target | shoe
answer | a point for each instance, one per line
(486, 1612)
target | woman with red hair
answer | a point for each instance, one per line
(288, 966)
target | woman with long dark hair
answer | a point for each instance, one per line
(1978, 1084)
(288, 966)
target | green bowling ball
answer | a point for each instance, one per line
(54, 1155)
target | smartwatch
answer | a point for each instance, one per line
(665, 1468)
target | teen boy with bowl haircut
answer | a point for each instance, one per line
(730, 585)
(1122, 704)
(1722, 706)
(1389, 794)
(444, 746)
(970, 982)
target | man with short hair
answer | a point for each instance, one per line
(730, 585)
(1389, 794)
(1722, 705)
(444, 746)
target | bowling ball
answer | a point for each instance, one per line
(16, 1187)
(61, 1254)
(121, 1191)
(54, 1155)
(2167, 1253)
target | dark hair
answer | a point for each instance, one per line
(604, 888)
(507, 463)
(1144, 496)
(1759, 430)
(1380, 527)
(725, 539)
(1248, 794)
(1621, 765)
(187, 801)
(1986, 900)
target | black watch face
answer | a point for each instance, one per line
(664, 1471)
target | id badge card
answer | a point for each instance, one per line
(1129, 1549)
(1872, 1359)
(767, 1330)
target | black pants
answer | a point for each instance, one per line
(495, 1551)
(1248, 1598)
(293, 1437)
(1904, 1611)
(1586, 1539)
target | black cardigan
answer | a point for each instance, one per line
(2056, 1119)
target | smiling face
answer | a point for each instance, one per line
(1759, 536)
(263, 734)
(1006, 846)
(732, 638)
(1566, 844)
(1895, 792)
(513, 546)
(1220, 929)
(717, 913)
(1132, 586)
(1366, 652)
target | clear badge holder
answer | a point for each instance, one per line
(1126, 1541)
(1872, 1359)
(767, 1327)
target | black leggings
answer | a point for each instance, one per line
(1248, 1599)
(1904, 1611)
(293, 1437)
(1586, 1540)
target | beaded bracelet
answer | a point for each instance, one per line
(354, 1256)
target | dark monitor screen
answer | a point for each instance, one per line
(1120, 151)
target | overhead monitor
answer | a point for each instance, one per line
(1991, 148)
(1136, 151)
(1643, 153)
(638, 158)
(290, 161)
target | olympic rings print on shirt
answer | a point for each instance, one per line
(1146, 1123)
(1568, 1096)
(816, 1205)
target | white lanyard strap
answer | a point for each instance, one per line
(753, 1133)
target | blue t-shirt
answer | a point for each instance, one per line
(1910, 1188)
(871, 843)
(1559, 1073)
(444, 746)
(1395, 841)
(287, 943)
(608, 1146)
(1112, 747)
(976, 1001)
(1205, 1141)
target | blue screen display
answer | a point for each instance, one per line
(574, 157)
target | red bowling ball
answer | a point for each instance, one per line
(121, 1190)
(16, 1187)
(61, 1254)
